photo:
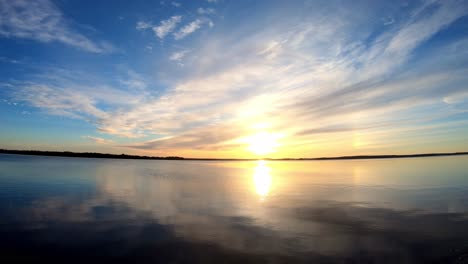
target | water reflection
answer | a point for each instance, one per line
(210, 212)
(262, 179)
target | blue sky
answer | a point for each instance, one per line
(214, 78)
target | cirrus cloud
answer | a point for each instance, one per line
(42, 21)
(318, 82)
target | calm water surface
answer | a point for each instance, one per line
(72, 210)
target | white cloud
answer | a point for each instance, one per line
(188, 29)
(212, 1)
(457, 98)
(176, 4)
(78, 95)
(205, 11)
(424, 27)
(178, 55)
(167, 26)
(42, 21)
(61, 101)
(142, 25)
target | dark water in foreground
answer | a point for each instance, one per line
(68, 210)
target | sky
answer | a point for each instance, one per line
(234, 79)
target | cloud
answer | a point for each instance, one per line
(388, 21)
(134, 81)
(456, 98)
(178, 55)
(142, 25)
(176, 4)
(99, 140)
(166, 26)
(285, 84)
(211, 137)
(426, 26)
(205, 11)
(326, 81)
(60, 101)
(8, 60)
(42, 21)
(190, 28)
(78, 95)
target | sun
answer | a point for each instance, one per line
(263, 143)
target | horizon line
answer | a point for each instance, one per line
(127, 156)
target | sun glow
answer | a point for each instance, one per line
(263, 143)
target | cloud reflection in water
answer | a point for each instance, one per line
(186, 212)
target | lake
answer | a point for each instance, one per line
(76, 210)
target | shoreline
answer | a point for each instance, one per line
(136, 157)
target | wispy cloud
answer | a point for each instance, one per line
(167, 26)
(42, 21)
(134, 81)
(274, 81)
(78, 95)
(319, 82)
(457, 98)
(142, 25)
(176, 4)
(8, 60)
(190, 28)
(388, 21)
(61, 101)
(99, 140)
(205, 11)
(178, 55)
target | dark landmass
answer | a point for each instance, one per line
(83, 154)
(387, 156)
(125, 156)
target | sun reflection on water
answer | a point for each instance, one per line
(262, 179)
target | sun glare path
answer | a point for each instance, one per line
(262, 179)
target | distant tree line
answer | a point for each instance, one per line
(125, 156)
(84, 154)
